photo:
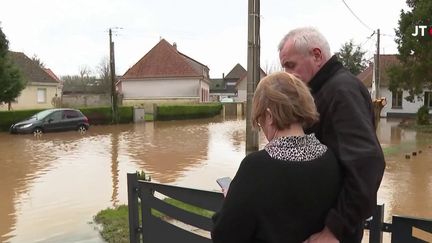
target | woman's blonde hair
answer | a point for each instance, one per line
(287, 97)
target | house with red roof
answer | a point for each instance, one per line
(164, 75)
(42, 85)
(397, 105)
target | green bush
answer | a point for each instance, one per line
(423, 116)
(187, 111)
(7, 118)
(97, 115)
(102, 115)
(125, 114)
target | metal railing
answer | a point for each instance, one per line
(402, 229)
(153, 228)
(146, 226)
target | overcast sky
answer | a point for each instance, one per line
(67, 35)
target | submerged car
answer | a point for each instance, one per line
(52, 120)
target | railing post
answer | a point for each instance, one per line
(376, 225)
(132, 182)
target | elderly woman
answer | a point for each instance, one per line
(283, 192)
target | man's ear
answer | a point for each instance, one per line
(317, 54)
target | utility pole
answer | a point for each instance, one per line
(378, 103)
(253, 70)
(114, 102)
(377, 68)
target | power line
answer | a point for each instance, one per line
(367, 39)
(363, 23)
(367, 26)
(387, 35)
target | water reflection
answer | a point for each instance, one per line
(114, 167)
(50, 188)
(44, 178)
(166, 149)
(22, 161)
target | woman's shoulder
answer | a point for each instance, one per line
(255, 157)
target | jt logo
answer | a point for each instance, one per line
(420, 30)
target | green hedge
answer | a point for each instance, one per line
(423, 116)
(187, 111)
(7, 118)
(96, 115)
(102, 115)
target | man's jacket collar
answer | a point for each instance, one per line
(327, 71)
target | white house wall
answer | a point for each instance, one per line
(206, 87)
(166, 88)
(28, 97)
(241, 91)
(407, 107)
(241, 96)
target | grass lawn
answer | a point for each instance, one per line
(412, 125)
(115, 224)
(148, 117)
(423, 128)
(115, 221)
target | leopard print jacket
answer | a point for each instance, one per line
(296, 148)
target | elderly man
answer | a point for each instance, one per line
(346, 126)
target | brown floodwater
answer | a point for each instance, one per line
(51, 187)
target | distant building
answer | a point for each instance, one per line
(42, 84)
(396, 106)
(233, 85)
(165, 74)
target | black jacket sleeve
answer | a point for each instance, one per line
(361, 158)
(235, 222)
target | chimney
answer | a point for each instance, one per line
(223, 75)
(175, 46)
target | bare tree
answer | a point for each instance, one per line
(85, 71)
(37, 60)
(271, 68)
(103, 69)
(104, 75)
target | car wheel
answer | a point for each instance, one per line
(37, 132)
(82, 129)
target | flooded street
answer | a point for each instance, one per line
(50, 188)
(406, 188)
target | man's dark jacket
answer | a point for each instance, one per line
(346, 126)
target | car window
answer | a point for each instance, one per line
(41, 115)
(55, 116)
(68, 114)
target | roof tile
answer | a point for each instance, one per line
(163, 60)
(386, 61)
(30, 69)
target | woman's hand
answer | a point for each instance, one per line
(224, 191)
(325, 236)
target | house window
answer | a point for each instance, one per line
(41, 95)
(397, 99)
(428, 99)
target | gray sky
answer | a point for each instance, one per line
(67, 35)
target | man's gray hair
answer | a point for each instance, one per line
(305, 39)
